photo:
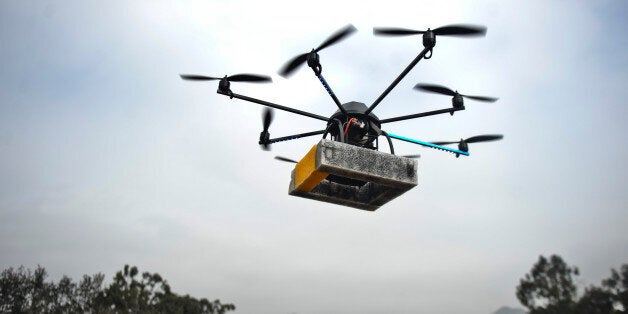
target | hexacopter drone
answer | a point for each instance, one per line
(349, 169)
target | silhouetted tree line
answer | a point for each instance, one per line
(550, 288)
(26, 291)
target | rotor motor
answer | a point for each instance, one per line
(313, 61)
(463, 146)
(457, 101)
(429, 39)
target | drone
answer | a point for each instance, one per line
(354, 123)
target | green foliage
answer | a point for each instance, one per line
(24, 291)
(550, 288)
(617, 285)
(595, 301)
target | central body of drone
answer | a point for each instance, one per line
(360, 129)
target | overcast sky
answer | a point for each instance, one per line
(107, 157)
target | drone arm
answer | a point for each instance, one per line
(272, 105)
(331, 93)
(423, 114)
(398, 79)
(451, 150)
(294, 137)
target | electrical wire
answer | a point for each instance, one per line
(348, 125)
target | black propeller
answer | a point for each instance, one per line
(412, 156)
(264, 137)
(438, 89)
(252, 78)
(475, 139)
(285, 159)
(449, 30)
(295, 62)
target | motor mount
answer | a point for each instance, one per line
(429, 39)
(313, 61)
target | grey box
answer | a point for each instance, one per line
(387, 176)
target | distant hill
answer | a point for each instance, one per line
(509, 310)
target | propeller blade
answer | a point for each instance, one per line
(439, 89)
(484, 138)
(394, 31)
(285, 159)
(249, 78)
(475, 139)
(482, 98)
(193, 77)
(461, 30)
(444, 143)
(435, 89)
(336, 37)
(267, 118)
(292, 65)
(412, 156)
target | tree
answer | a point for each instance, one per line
(549, 287)
(617, 287)
(22, 290)
(150, 293)
(595, 300)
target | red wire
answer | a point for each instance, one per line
(348, 124)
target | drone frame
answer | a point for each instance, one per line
(355, 117)
(314, 63)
